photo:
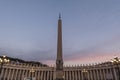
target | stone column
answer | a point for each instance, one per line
(79, 75)
(26, 73)
(76, 75)
(38, 75)
(9, 74)
(16, 70)
(66, 75)
(115, 75)
(36, 72)
(29, 73)
(104, 74)
(73, 75)
(112, 75)
(88, 73)
(107, 72)
(42, 75)
(12, 74)
(98, 78)
(48, 75)
(82, 75)
(52, 75)
(23, 74)
(2, 74)
(99, 70)
(94, 75)
(70, 75)
(6, 73)
(19, 74)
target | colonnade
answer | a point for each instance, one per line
(22, 73)
(93, 72)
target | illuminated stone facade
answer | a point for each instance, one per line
(103, 71)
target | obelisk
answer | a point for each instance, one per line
(59, 60)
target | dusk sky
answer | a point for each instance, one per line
(91, 30)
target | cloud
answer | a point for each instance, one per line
(36, 55)
(99, 52)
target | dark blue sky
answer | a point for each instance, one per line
(91, 29)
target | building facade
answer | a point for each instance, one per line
(101, 71)
(20, 70)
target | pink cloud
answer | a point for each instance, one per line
(76, 60)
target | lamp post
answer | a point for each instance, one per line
(31, 71)
(3, 60)
(116, 62)
(84, 71)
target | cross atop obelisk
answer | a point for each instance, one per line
(59, 60)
